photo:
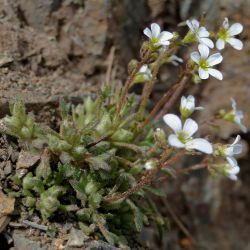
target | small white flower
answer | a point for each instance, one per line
(183, 135)
(188, 106)
(200, 33)
(145, 72)
(234, 149)
(156, 36)
(237, 116)
(175, 60)
(228, 152)
(205, 62)
(232, 171)
(226, 35)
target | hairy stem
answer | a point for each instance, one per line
(146, 179)
(127, 85)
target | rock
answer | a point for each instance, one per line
(76, 238)
(6, 204)
(26, 160)
(5, 60)
(22, 242)
(8, 168)
(6, 208)
(4, 221)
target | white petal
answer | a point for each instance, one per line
(234, 105)
(214, 59)
(165, 35)
(164, 42)
(239, 114)
(175, 142)
(206, 41)
(235, 29)
(144, 68)
(220, 44)
(173, 121)
(215, 73)
(225, 23)
(237, 149)
(190, 127)
(147, 32)
(200, 145)
(199, 108)
(190, 104)
(156, 29)
(176, 58)
(243, 128)
(204, 50)
(203, 32)
(195, 56)
(195, 24)
(236, 43)
(232, 162)
(203, 73)
(234, 170)
(237, 139)
(233, 177)
(189, 24)
(183, 102)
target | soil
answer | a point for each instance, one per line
(54, 49)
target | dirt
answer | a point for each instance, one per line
(54, 49)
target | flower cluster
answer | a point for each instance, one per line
(203, 62)
(183, 138)
(200, 34)
(231, 169)
(183, 134)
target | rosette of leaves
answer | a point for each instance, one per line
(91, 157)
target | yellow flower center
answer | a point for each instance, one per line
(203, 63)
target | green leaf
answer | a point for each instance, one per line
(154, 191)
(138, 216)
(64, 109)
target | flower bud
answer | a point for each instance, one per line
(150, 165)
(132, 65)
(160, 136)
(189, 38)
(196, 79)
(144, 49)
